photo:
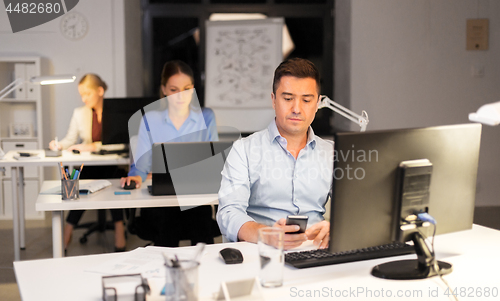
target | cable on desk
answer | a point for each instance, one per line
(428, 218)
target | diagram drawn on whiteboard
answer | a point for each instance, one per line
(241, 62)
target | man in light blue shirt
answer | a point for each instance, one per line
(282, 170)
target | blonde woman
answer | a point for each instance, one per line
(84, 134)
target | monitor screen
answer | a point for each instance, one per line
(365, 181)
(116, 113)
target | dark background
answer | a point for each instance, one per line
(167, 35)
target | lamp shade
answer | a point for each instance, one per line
(42, 80)
(488, 114)
(53, 79)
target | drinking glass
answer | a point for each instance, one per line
(272, 259)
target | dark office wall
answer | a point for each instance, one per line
(133, 48)
(166, 25)
(342, 59)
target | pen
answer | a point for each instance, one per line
(75, 177)
(81, 168)
(72, 177)
(60, 168)
(62, 171)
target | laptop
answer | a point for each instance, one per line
(183, 168)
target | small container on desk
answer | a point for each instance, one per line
(181, 280)
(70, 189)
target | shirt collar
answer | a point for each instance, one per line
(274, 134)
(194, 116)
(273, 131)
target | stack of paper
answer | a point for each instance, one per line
(94, 186)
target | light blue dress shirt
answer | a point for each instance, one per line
(263, 182)
(156, 127)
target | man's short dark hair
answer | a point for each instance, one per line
(296, 67)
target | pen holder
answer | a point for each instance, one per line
(182, 281)
(70, 189)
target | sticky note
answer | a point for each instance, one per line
(122, 192)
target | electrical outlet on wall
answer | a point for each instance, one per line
(477, 70)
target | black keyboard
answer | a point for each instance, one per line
(320, 257)
(111, 152)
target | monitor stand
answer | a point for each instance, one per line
(424, 266)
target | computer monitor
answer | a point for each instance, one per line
(366, 198)
(116, 113)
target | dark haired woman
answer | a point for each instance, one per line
(182, 121)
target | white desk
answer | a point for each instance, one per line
(17, 176)
(473, 253)
(106, 199)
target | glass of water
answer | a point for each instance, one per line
(272, 259)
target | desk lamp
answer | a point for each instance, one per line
(487, 114)
(361, 120)
(42, 80)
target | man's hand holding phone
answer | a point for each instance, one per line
(291, 240)
(294, 230)
(296, 233)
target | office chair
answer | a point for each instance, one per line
(100, 225)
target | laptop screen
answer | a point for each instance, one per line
(183, 168)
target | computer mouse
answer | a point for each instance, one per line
(231, 255)
(75, 151)
(131, 186)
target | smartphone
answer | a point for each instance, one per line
(300, 220)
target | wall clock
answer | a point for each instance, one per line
(74, 26)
